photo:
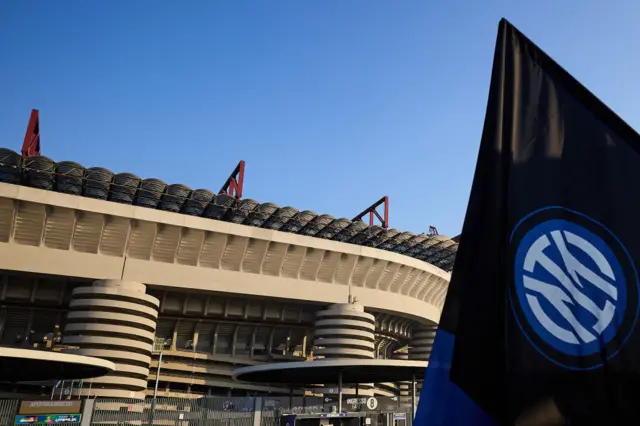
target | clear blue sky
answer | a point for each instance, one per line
(331, 103)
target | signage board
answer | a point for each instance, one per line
(372, 403)
(48, 419)
(50, 407)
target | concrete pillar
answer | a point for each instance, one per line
(257, 412)
(87, 412)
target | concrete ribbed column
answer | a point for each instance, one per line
(114, 320)
(420, 346)
(421, 343)
(344, 331)
(404, 388)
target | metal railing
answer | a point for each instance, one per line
(311, 405)
(274, 407)
(217, 411)
(8, 410)
(174, 411)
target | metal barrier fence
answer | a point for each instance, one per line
(219, 411)
(174, 412)
(311, 405)
(8, 410)
(381, 413)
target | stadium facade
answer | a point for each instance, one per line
(127, 269)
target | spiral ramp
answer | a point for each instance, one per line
(114, 320)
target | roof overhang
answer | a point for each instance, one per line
(30, 365)
(327, 371)
(95, 239)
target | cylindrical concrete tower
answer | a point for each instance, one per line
(344, 331)
(114, 320)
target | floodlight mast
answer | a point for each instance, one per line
(31, 144)
(373, 212)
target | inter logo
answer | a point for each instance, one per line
(575, 292)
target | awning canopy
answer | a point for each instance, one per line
(327, 371)
(30, 365)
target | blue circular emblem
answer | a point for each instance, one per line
(575, 287)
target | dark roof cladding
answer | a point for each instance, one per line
(95, 182)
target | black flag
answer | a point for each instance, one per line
(540, 317)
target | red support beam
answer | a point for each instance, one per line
(31, 144)
(233, 185)
(373, 212)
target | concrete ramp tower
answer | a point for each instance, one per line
(114, 320)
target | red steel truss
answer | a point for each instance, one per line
(233, 185)
(373, 212)
(31, 144)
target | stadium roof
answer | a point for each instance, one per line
(95, 182)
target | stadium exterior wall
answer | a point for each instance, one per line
(49, 233)
(154, 247)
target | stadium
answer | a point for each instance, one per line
(180, 287)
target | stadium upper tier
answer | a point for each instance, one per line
(126, 188)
